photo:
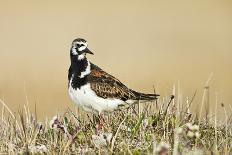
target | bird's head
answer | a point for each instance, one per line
(80, 48)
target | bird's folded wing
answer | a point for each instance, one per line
(107, 86)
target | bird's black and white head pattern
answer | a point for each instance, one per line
(80, 48)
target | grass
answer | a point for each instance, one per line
(163, 127)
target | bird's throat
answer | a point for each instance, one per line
(78, 71)
(78, 65)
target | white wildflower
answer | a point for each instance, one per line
(197, 134)
(42, 149)
(195, 127)
(102, 140)
(179, 130)
(107, 137)
(38, 149)
(99, 141)
(32, 149)
(192, 130)
(189, 126)
(190, 134)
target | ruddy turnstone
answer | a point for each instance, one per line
(95, 90)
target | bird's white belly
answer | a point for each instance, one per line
(89, 101)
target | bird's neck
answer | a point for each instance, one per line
(78, 71)
(78, 65)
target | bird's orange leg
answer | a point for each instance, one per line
(100, 123)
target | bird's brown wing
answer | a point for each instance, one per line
(107, 86)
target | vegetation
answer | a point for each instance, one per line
(162, 127)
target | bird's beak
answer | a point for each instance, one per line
(88, 51)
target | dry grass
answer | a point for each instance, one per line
(165, 127)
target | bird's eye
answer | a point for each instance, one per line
(79, 45)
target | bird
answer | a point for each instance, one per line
(95, 90)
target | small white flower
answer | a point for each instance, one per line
(195, 127)
(32, 149)
(197, 134)
(99, 141)
(179, 130)
(102, 140)
(42, 149)
(190, 134)
(107, 137)
(189, 126)
(38, 149)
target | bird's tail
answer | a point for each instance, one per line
(143, 96)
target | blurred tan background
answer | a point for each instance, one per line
(143, 43)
